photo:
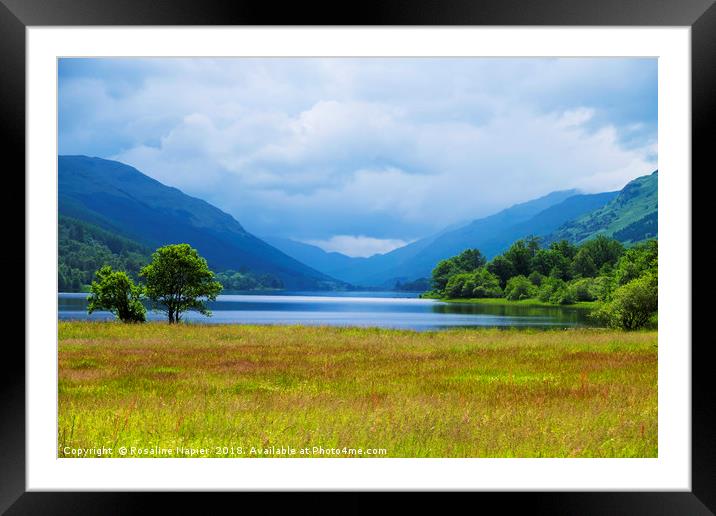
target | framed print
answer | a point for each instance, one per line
(424, 238)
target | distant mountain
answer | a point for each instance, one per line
(120, 199)
(630, 217)
(491, 235)
(345, 267)
(313, 256)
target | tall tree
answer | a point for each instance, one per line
(178, 279)
(602, 250)
(470, 260)
(502, 268)
(521, 253)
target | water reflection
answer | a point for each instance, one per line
(380, 309)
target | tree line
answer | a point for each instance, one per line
(245, 280)
(84, 248)
(624, 281)
(176, 280)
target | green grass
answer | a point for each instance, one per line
(523, 302)
(456, 393)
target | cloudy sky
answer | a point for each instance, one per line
(363, 155)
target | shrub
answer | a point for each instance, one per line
(637, 261)
(519, 287)
(455, 284)
(535, 278)
(584, 289)
(563, 296)
(633, 305)
(486, 284)
(549, 287)
(602, 287)
(468, 288)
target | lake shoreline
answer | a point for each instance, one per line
(367, 309)
(587, 305)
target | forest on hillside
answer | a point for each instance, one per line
(84, 248)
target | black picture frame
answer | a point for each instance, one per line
(16, 15)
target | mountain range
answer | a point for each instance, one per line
(120, 199)
(551, 217)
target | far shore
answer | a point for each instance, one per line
(522, 302)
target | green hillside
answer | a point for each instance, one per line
(83, 248)
(120, 199)
(631, 217)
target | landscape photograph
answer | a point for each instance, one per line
(357, 257)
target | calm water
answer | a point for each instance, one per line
(382, 309)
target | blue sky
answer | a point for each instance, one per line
(363, 155)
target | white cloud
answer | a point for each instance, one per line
(392, 148)
(358, 246)
(575, 117)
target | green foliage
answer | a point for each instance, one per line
(585, 289)
(486, 284)
(564, 248)
(501, 267)
(584, 265)
(595, 254)
(115, 292)
(550, 288)
(550, 263)
(543, 261)
(518, 288)
(642, 229)
(632, 305)
(467, 261)
(602, 287)
(456, 283)
(536, 278)
(178, 279)
(560, 274)
(477, 284)
(442, 273)
(232, 280)
(84, 248)
(563, 296)
(637, 261)
(521, 253)
(557, 291)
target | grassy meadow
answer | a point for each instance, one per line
(258, 391)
